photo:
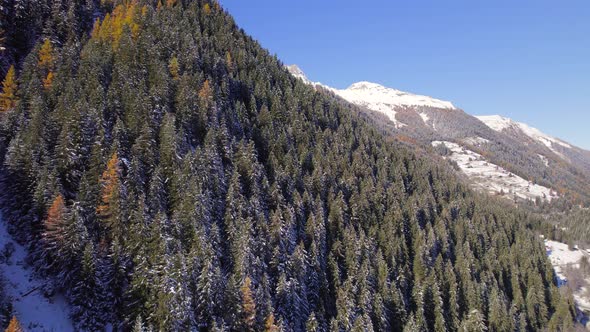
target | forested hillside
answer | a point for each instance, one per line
(167, 172)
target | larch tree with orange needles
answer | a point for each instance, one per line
(14, 326)
(108, 207)
(8, 98)
(46, 56)
(248, 305)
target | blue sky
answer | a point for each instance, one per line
(528, 60)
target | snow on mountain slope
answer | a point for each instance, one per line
(297, 72)
(376, 94)
(562, 258)
(492, 178)
(35, 311)
(500, 123)
(377, 97)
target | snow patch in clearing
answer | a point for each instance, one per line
(561, 257)
(424, 117)
(34, 311)
(492, 178)
(544, 159)
(475, 140)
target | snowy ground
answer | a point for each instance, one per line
(493, 178)
(33, 310)
(561, 257)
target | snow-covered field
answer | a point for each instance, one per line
(34, 311)
(561, 257)
(493, 178)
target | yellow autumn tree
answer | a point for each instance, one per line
(48, 81)
(14, 326)
(54, 223)
(8, 98)
(228, 60)
(113, 25)
(109, 199)
(206, 94)
(269, 324)
(207, 9)
(248, 305)
(46, 55)
(56, 213)
(174, 68)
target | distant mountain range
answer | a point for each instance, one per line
(495, 153)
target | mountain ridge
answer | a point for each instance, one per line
(517, 148)
(496, 122)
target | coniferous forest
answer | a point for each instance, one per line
(167, 173)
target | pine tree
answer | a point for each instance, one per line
(84, 295)
(473, 323)
(138, 325)
(2, 40)
(8, 99)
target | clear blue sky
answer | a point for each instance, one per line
(528, 59)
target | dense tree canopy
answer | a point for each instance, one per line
(173, 175)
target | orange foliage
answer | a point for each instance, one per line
(269, 324)
(8, 98)
(14, 325)
(56, 211)
(112, 26)
(55, 217)
(171, 3)
(48, 81)
(248, 305)
(46, 55)
(174, 68)
(406, 139)
(228, 59)
(110, 185)
(206, 92)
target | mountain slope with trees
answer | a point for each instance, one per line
(167, 172)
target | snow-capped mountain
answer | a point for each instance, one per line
(377, 97)
(386, 100)
(502, 124)
(503, 147)
(297, 72)
(376, 94)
